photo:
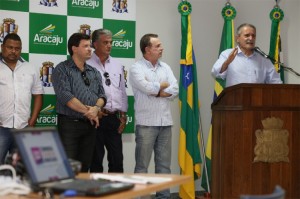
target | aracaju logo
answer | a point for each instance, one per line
(46, 36)
(92, 4)
(119, 42)
(47, 117)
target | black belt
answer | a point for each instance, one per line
(75, 119)
(109, 112)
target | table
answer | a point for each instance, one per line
(138, 190)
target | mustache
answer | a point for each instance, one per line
(249, 42)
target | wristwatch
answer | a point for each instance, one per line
(99, 108)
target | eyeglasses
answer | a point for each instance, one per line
(107, 80)
(85, 79)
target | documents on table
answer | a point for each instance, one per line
(137, 179)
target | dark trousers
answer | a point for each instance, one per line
(78, 138)
(107, 136)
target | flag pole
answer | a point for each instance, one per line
(228, 13)
(202, 147)
(207, 195)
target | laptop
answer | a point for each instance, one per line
(48, 167)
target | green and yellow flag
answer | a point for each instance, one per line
(227, 41)
(189, 157)
(276, 15)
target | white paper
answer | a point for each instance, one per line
(136, 179)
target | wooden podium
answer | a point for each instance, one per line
(237, 116)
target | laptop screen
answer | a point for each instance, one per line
(43, 154)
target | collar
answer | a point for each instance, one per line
(149, 64)
(241, 52)
(97, 59)
(72, 64)
(21, 60)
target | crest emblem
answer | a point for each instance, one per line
(85, 29)
(7, 27)
(119, 6)
(49, 3)
(271, 142)
(46, 73)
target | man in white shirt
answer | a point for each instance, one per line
(244, 65)
(154, 87)
(19, 82)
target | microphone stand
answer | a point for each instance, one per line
(282, 66)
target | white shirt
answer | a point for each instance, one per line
(117, 99)
(145, 81)
(243, 69)
(16, 89)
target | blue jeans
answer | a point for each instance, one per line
(7, 144)
(157, 139)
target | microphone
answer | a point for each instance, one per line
(257, 49)
(281, 65)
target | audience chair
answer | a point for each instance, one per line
(278, 193)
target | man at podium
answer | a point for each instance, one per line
(243, 64)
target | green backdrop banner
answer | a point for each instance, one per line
(45, 26)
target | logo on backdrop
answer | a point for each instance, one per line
(123, 44)
(91, 4)
(8, 26)
(85, 29)
(45, 36)
(119, 42)
(46, 73)
(119, 6)
(47, 116)
(47, 110)
(49, 3)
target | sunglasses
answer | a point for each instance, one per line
(107, 80)
(85, 79)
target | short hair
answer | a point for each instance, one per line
(145, 41)
(97, 33)
(239, 29)
(12, 36)
(75, 39)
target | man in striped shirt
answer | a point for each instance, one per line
(154, 87)
(80, 98)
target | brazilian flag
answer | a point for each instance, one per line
(189, 149)
(276, 15)
(227, 41)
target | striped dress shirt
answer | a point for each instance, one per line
(69, 83)
(145, 81)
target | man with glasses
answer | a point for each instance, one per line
(19, 82)
(154, 87)
(80, 97)
(113, 120)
